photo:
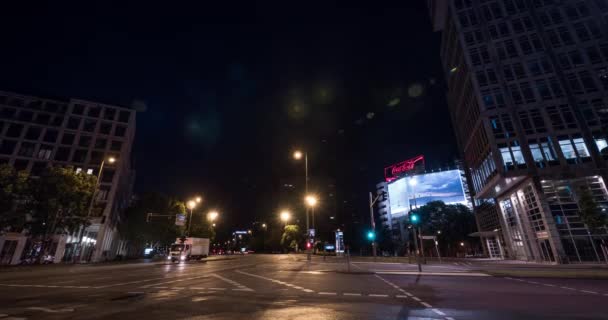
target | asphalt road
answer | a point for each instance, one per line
(286, 287)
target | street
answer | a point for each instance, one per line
(288, 287)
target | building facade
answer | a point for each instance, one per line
(36, 133)
(528, 97)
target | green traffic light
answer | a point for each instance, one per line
(414, 218)
(371, 235)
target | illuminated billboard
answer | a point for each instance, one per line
(421, 189)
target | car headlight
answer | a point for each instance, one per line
(183, 257)
(169, 257)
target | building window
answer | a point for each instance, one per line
(73, 123)
(79, 156)
(89, 125)
(78, 109)
(14, 130)
(26, 149)
(25, 116)
(94, 111)
(45, 152)
(50, 135)
(57, 121)
(601, 144)
(567, 149)
(85, 141)
(7, 146)
(120, 131)
(101, 143)
(68, 138)
(105, 128)
(43, 118)
(33, 133)
(62, 154)
(581, 147)
(116, 145)
(110, 114)
(507, 158)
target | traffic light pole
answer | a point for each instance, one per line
(371, 215)
(416, 246)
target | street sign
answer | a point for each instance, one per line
(311, 233)
(180, 219)
(240, 232)
(339, 242)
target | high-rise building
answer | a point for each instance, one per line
(39, 132)
(528, 96)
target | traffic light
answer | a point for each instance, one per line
(371, 235)
(414, 218)
(308, 245)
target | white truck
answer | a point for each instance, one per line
(185, 249)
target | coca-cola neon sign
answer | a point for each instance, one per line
(394, 171)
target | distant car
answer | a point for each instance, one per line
(249, 251)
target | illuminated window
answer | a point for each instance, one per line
(567, 149)
(581, 147)
(601, 144)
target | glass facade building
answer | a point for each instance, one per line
(528, 96)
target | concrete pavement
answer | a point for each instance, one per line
(283, 286)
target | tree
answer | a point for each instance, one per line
(60, 200)
(291, 236)
(591, 214)
(14, 193)
(156, 231)
(455, 222)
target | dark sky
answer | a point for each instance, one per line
(231, 90)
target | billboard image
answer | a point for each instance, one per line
(443, 186)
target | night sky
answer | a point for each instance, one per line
(231, 91)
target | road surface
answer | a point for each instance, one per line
(287, 287)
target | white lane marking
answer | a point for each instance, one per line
(126, 283)
(456, 274)
(378, 295)
(606, 294)
(173, 281)
(568, 288)
(245, 289)
(216, 288)
(352, 294)
(135, 292)
(2, 315)
(587, 291)
(232, 282)
(549, 285)
(64, 282)
(401, 296)
(196, 288)
(416, 298)
(439, 312)
(44, 286)
(274, 280)
(328, 293)
(449, 318)
(49, 310)
(533, 282)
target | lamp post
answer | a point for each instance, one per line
(298, 156)
(191, 205)
(285, 216)
(103, 162)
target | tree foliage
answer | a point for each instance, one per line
(156, 231)
(60, 200)
(455, 222)
(591, 214)
(291, 237)
(14, 193)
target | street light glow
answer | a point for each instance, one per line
(199, 199)
(211, 216)
(191, 204)
(297, 155)
(263, 225)
(111, 159)
(311, 200)
(285, 215)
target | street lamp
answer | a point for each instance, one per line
(311, 202)
(285, 216)
(198, 199)
(212, 215)
(191, 205)
(264, 225)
